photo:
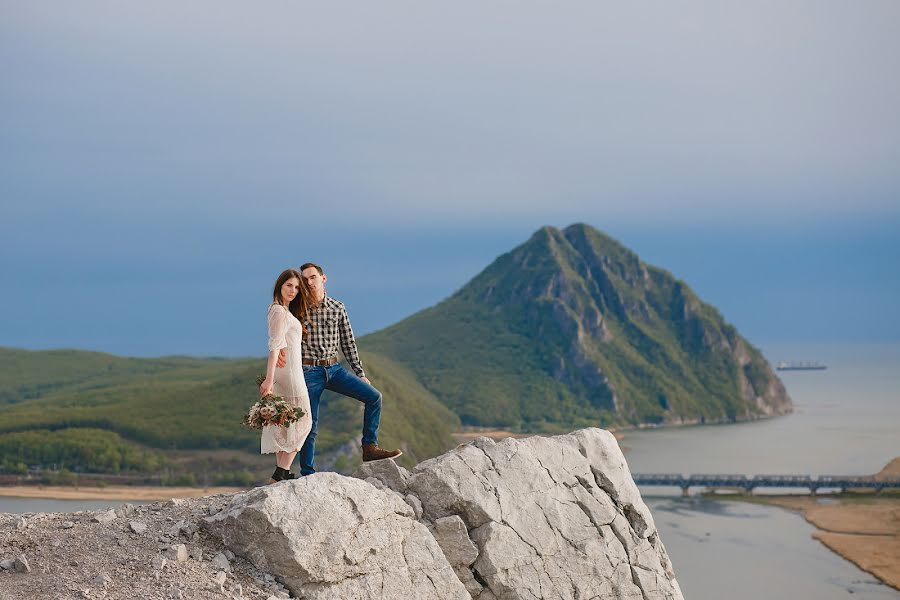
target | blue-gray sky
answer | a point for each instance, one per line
(161, 162)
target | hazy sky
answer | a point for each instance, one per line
(161, 162)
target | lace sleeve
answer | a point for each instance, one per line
(278, 326)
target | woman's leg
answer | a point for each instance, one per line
(284, 459)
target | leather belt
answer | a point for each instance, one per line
(320, 362)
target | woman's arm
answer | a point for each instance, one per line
(278, 325)
(266, 386)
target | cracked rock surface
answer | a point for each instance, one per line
(332, 537)
(549, 517)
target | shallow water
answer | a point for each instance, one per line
(26, 505)
(739, 551)
(846, 421)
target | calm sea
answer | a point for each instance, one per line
(846, 421)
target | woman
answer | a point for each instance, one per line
(290, 300)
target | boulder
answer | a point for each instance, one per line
(551, 517)
(331, 537)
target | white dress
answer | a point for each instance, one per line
(285, 331)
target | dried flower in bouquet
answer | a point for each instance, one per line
(271, 410)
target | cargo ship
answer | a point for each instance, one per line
(800, 366)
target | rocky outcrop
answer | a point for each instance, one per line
(541, 517)
(554, 517)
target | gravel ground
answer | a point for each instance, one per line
(155, 551)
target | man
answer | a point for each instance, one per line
(327, 328)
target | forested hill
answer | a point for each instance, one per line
(572, 329)
(98, 412)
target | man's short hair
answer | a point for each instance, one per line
(305, 266)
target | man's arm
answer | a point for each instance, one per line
(348, 344)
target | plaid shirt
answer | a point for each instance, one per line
(327, 326)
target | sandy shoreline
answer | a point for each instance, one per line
(122, 493)
(863, 528)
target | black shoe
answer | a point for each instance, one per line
(281, 475)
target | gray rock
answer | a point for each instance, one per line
(229, 555)
(175, 502)
(221, 563)
(21, 565)
(389, 473)
(102, 581)
(159, 562)
(138, 527)
(453, 538)
(451, 535)
(175, 530)
(21, 524)
(8, 564)
(66, 525)
(330, 537)
(197, 553)
(415, 504)
(219, 580)
(177, 553)
(551, 518)
(105, 516)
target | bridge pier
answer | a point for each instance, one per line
(685, 491)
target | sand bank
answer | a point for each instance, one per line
(119, 493)
(862, 528)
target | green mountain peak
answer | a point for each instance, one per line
(571, 328)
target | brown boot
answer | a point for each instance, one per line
(373, 452)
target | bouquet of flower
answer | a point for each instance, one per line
(271, 410)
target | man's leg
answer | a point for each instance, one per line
(316, 380)
(348, 384)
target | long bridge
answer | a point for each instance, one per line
(748, 484)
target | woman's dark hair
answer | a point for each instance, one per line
(301, 303)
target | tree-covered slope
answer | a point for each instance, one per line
(137, 411)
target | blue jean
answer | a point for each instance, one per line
(337, 379)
